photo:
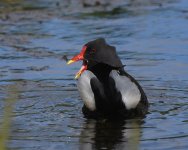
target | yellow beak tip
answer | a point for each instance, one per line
(77, 76)
(70, 62)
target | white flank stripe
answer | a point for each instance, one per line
(84, 88)
(128, 89)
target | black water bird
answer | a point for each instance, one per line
(106, 89)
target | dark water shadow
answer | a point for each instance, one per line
(110, 135)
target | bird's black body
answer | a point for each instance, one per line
(107, 90)
(109, 102)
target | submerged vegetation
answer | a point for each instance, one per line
(5, 124)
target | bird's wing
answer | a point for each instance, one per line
(130, 93)
(90, 89)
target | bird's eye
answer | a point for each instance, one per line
(92, 51)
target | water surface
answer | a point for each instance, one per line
(151, 40)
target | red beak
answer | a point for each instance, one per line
(77, 58)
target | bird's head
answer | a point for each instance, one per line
(94, 52)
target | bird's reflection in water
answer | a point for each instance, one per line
(120, 135)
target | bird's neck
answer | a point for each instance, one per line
(101, 71)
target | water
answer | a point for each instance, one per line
(151, 40)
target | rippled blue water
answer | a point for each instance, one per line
(151, 41)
